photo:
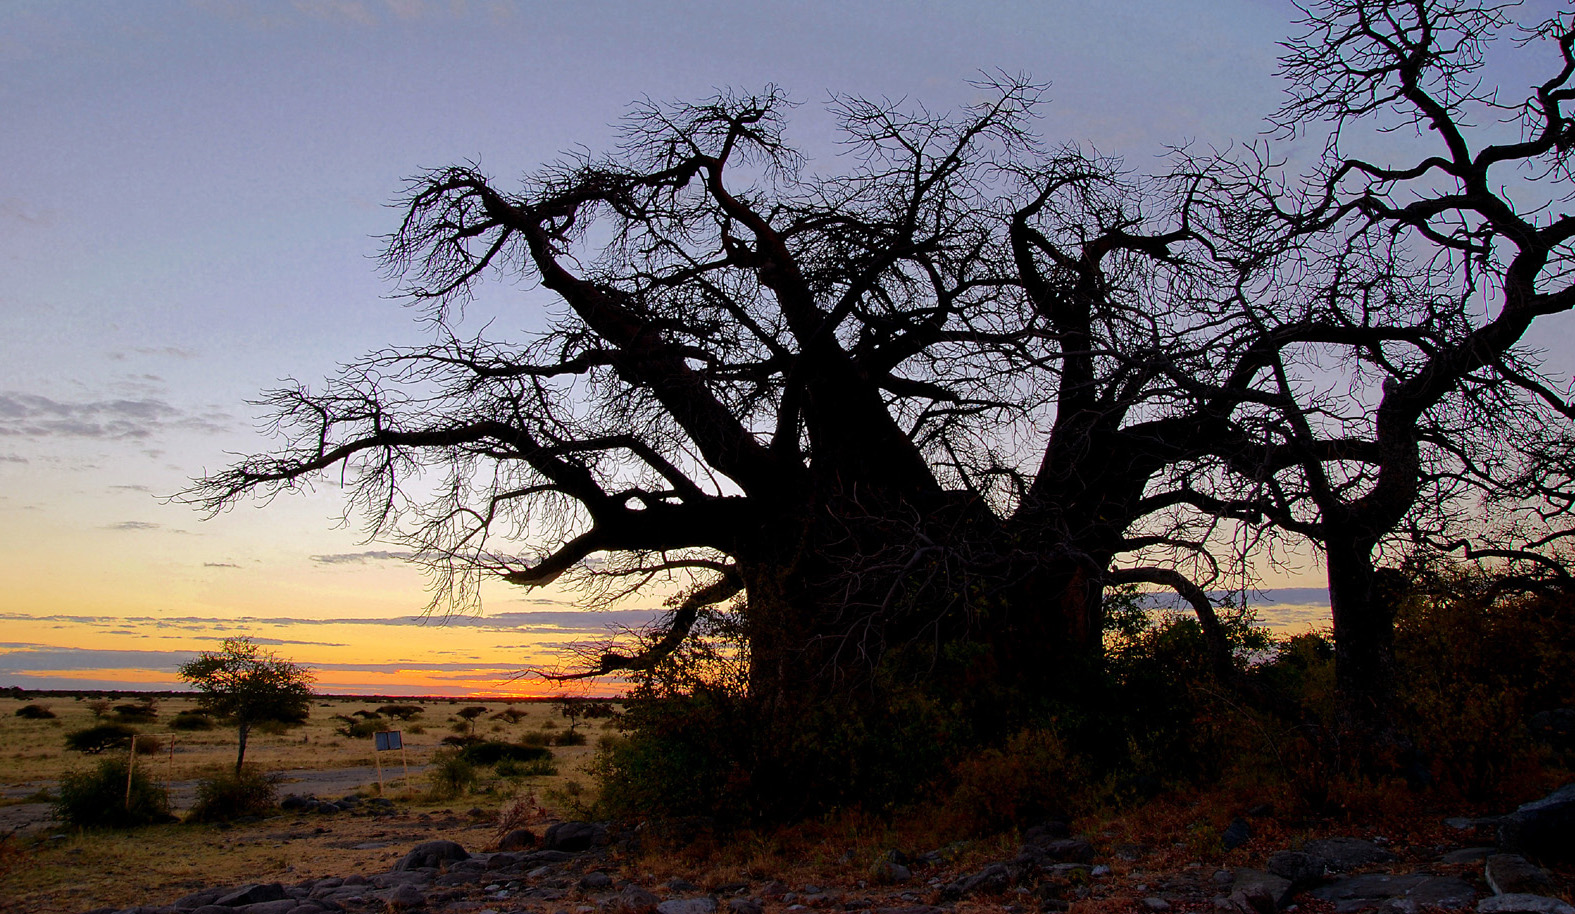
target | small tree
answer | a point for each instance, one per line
(248, 685)
(470, 714)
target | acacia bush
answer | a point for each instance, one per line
(228, 795)
(97, 798)
(101, 738)
(492, 752)
(35, 712)
(450, 775)
(191, 721)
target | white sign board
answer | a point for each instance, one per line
(388, 739)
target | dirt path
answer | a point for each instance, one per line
(328, 783)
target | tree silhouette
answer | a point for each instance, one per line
(249, 685)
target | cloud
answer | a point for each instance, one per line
(1280, 596)
(220, 565)
(545, 622)
(12, 458)
(134, 525)
(122, 418)
(361, 558)
(132, 488)
(41, 659)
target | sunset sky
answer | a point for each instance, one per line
(189, 212)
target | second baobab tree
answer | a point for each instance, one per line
(247, 685)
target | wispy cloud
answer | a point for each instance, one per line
(134, 418)
(220, 565)
(567, 622)
(134, 525)
(361, 558)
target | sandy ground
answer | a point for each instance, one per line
(329, 784)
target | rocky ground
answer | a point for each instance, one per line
(585, 868)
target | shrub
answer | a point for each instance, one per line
(491, 753)
(368, 715)
(136, 714)
(511, 715)
(542, 767)
(35, 712)
(227, 795)
(401, 712)
(569, 738)
(449, 774)
(95, 740)
(361, 729)
(534, 738)
(96, 798)
(191, 720)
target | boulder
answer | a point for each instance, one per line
(1259, 890)
(1236, 834)
(1414, 891)
(1340, 855)
(1300, 867)
(431, 854)
(1523, 904)
(252, 894)
(573, 837)
(744, 906)
(1543, 829)
(405, 897)
(517, 840)
(632, 900)
(1512, 874)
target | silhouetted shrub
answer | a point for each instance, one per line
(191, 720)
(97, 798)
(569, 738)
(226, 796)
(35, 712)
(95, 740)
(542, 767)
(402, 712)
(491, 753)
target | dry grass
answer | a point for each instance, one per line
(33, 751)
(63, 871)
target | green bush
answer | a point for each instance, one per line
(450, 775)
(96, 798)
(35, 712)
(491, 753)
(361, 729)
(569, 738)
(226, 796)
(191, 720)
(95, 740)
(542, 767)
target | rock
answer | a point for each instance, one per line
(1070, 850)
(1467, 855)
(744, 906)
(888, 872)
(1395, 893)
(1258, 888)
(1523, 904)
(431, 854)
(517, 840)
(1047, 832)
(1342, 854)
(1512, 874)
(702, 905)
(633, 900)
(1236, 834)
(251, 894)
(282, 906)
(1544, 829)
(595, 881)
(198, 899)
(1300, 867)
(1156, 903)
(575, 836)
(992, 880)
(682, 886)
(405, 897)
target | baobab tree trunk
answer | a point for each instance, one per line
(1363, 601)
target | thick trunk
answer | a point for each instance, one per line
(1363, 600)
